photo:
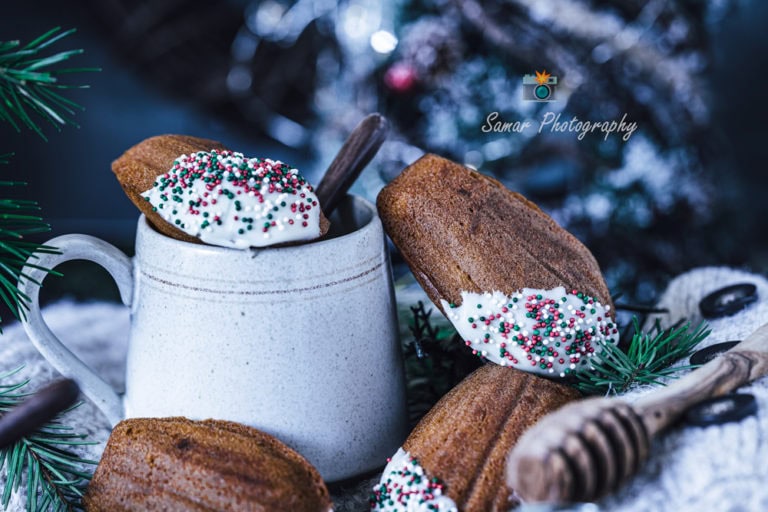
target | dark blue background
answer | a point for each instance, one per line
(70, 175)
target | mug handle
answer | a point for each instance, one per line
(75, 247)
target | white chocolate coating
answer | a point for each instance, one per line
(229, 200)
(548, 332)
(405, 487)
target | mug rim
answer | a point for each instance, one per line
(358, 202)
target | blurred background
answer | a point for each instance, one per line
(289, 80)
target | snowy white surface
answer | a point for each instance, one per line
(97, 333)
(721, 468)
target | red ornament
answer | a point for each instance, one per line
(400, 78)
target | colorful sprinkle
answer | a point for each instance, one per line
(405, 486)
(220, 196)
(549, 332)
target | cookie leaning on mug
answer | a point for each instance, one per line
(461, 445)
(196, 190)
(180, 464)
(520, 289)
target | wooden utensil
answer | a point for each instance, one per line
(37, 410)
(359, 148)
(589, 448)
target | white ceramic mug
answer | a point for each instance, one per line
(299, 341)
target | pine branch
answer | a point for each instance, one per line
(56, 478)
(434, 362)
(18, 219)
(30, 79)
(647, 360)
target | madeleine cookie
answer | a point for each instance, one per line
(520, 289)
(455, 457)
(196, 190)
(180, 464)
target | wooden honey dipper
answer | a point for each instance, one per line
(587, 449)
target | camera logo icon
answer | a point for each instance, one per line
(540, 87)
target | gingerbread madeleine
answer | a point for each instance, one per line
(520, 289)
(180, 464)
(454, 459)
(196, 190)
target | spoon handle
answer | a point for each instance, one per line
(744, 363)
(37, 410)
(359, 148)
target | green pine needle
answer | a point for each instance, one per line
(18, 219)
(29, 80)
(435, 361)
(56, 476)
(647, 360)
(30, 85)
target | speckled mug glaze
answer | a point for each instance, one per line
(298, 341)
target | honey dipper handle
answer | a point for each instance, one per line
(744, 363)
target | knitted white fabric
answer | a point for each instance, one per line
(718, 468)
(98, 334)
